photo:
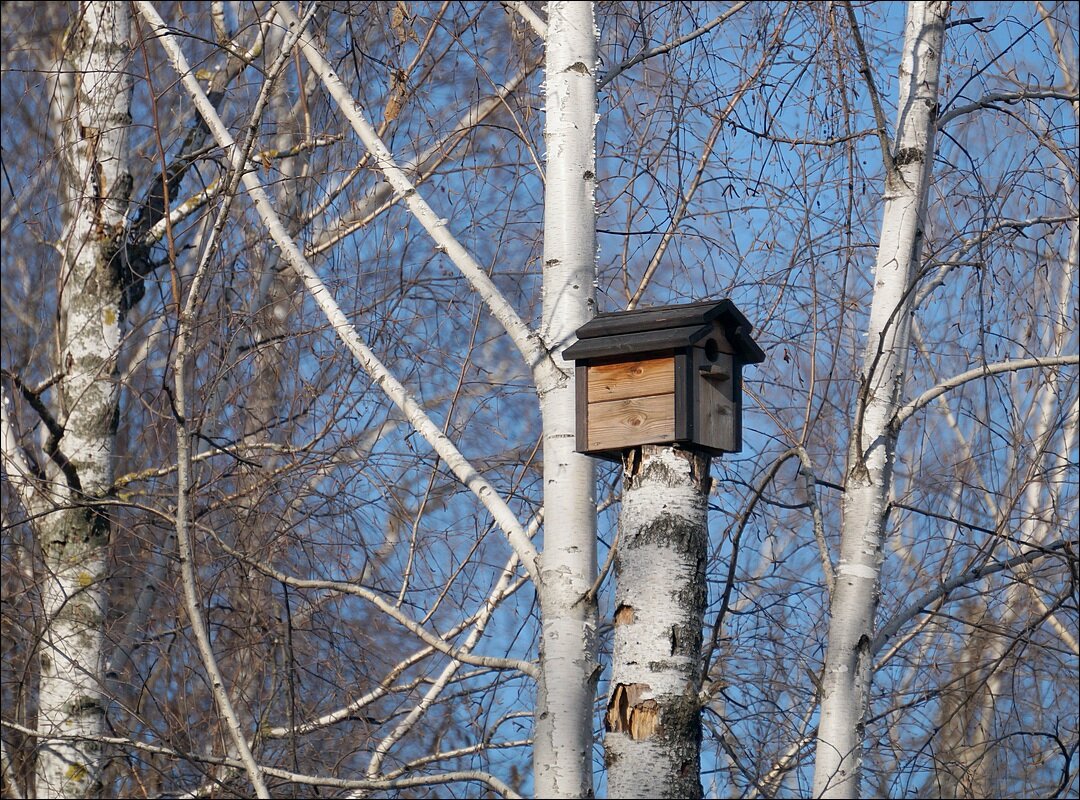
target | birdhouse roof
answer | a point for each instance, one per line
(664, 328)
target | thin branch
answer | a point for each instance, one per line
(957, 258)
(669, 46)
(388, 608)
(916, 607)
(988, 101)
(736, 539)
(527, 14)
(875, 99)
(185, 328)
(281, 774)
(810, 484)
(986, 370)
(830, 142)
(346, 332)
(703, 162)
(185, 209)
(381, 197)
(525, 339)
(1066, 65)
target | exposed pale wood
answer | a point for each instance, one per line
(632, 379)
(625, 423)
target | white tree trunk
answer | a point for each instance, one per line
(74, 540)
(562, 754)
(846, 680)
(653, 722)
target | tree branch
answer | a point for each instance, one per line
(527, 14)
(902, 617)
(526, 340)
(875, 99)
(281, 774)
(397, 393)
(669, 46)
(388, 608)
(988, 101)
(986, 370)
(16, 466)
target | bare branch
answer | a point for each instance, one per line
(526, 340)
(412, 410)
(285, 775)
(16, 467)
(388, 608)
(992, 99)
(967, 245)
(916, 607)
(875, 98)
(669, 46)
(527, 14)
(986, 370)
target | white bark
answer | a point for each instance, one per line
(74, 540)
(562, 753)
(846, 680)
(653, 723)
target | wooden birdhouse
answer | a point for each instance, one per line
(664, 375)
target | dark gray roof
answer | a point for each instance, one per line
(663, 328)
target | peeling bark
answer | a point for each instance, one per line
(653, 720)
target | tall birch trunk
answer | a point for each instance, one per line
(653, 722)
(562, 755)
(74, 539)
(847, 676)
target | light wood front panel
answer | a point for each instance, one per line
(616, 424)
(641, 378)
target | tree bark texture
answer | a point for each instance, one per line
(847, 676)
(74, 538)
(562, 756)
(653, 721)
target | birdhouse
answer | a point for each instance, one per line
(664, 375)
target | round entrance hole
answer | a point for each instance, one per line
(712, 349)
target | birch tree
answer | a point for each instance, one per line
(562, 754)
(65, 496)
(344, 240)
(908, 163)
(653, 719)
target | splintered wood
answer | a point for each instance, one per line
(633, 711)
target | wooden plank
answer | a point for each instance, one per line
(618, 424)
(631, 379)
(716, 412)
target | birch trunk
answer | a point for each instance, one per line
(562, 754)
(653, 723)
(74, 538)
(846, 680)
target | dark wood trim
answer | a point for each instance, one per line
(581, 408)
(684, 399)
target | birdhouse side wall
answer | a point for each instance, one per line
(716, 413)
